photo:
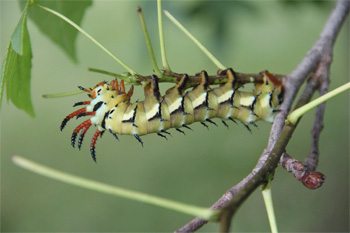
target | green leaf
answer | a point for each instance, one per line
(16, 68)
(57, 30)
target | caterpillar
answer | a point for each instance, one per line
(110, 108)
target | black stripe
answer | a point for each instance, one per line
(97, 106)
(182, 86)
(132, 119)
(103, 124)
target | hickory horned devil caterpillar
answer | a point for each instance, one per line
(110, 107)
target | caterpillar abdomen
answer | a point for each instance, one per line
(110, 108)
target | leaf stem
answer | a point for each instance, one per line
(188, 34)
(57, 95)
(87, 35)
(126, 77)
(296, 114)
(161, 37)
(148, 43)
(113, 190)
(266, 192)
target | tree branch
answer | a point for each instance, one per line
(270, 157)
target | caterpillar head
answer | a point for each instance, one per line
(270, 93)
(103, 96)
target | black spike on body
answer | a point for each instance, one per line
(247, 127)
(64, 122)
(253, 113)
(102, 132)
(253, 123)
(161, 135)
(224, 123)
(139, 139)
(205, 125)
(183, 125)
(212, 122)
(163, 131)
(179, 130)
(115, 135)
(73, 138)
(231, 119)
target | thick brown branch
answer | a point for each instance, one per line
(270, 157)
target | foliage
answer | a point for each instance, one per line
(16, 67)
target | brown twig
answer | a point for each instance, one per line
(278, 137)
(322, 74)
(310, 179)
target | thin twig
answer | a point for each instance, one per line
(310, 179)
(322, 74)
(294, 80)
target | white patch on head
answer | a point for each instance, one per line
(152, 112)
(100, 113)
(175, 105)
(225, 97)
(199, 100)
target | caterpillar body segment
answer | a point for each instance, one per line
(111, 109)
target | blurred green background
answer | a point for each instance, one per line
(197, 168)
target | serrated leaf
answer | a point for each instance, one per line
(56, 29)
(16, 68)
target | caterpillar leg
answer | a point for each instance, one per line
(212, 122)
(164, 131)
(247, 127)
(70, 116)
(205, 125)
(93, 143)
(82, 134)
(85, 124)
(179, 130)
(225, 124)
(138, 139)
(115, 135)
(82, 103)
(161, 135)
